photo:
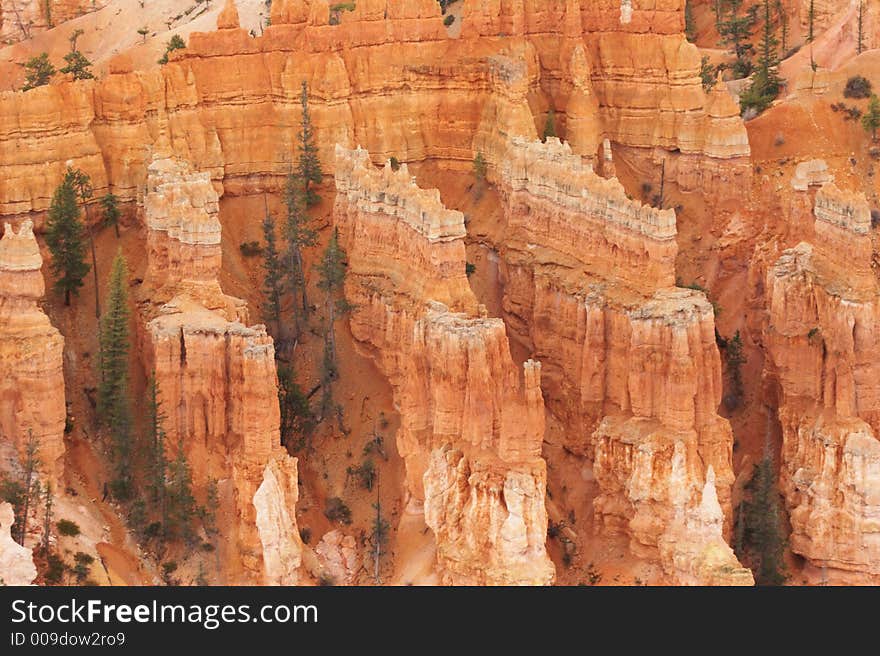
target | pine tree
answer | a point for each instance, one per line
(763, 531)
(296, 414)
(31, 482)
(300, 234)
(783, 26)
(331, 278)
(83, 185)
(690, 26)
(110, 205)
(273, 287)
(38, 71)
(550, 125)
(735, 31)
(78, 66)
(181, 502)
(114, 407)
(765, 82)
(158, 466)
(47, 516)
(811, 15)
(871, 117)
(309, 165)
(65, 237)
(860, 43)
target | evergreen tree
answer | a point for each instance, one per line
(272, 283)
(690, 26)
(83, 185)
(871, 117)
(64, 235)
(300, 234)
(765, 82)
(181, 502)
(550, 125)
(110, 205)
(309, 166)
(860, 43)
(296, 414)
(735, 31)
(47, 516)
(31, 483)
(811, 15)
(783, 26)
(38, 71)
(158, 465)
(331, 272)
(77, 65)
(176, 43)
(763, 532)
(114, 407)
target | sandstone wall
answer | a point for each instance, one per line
(388, 77)
(472, 424)
(822, 336)
(630, 361)
(31, 376)
(216, 379)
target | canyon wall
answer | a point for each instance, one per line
(822, 339)
(630, 364)
(216, 379)
(387, 76)
(472, 422)
(31, 376)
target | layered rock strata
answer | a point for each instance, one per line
(216, 379)
(472, 423)
(387, 76)
(630, 362)
(822, 337)
(31, 351)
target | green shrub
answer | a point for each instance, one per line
(337, 511)
(857, 87)
(250, 248)
(68, 528)
(449, 20)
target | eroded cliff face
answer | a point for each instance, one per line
(387, 76)
(31, 348)
(822, 337)
(631, 367)
(216, 379)
(472, 423)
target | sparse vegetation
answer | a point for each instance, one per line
(448, 20)
(38, 71)
(549, 125)
(110, 205)
(175, 43)
(857, 87)
(708, 73)
(250, 248)
(331, 278)
(309, 165)
(337, 511)
(364, 474)
(78, 66)
(67, 528)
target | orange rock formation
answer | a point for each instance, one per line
(19, 19)
(630, 361)
(471, 424)
(387, 76)
(822, 336)
(217, 379)
(31, 377)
